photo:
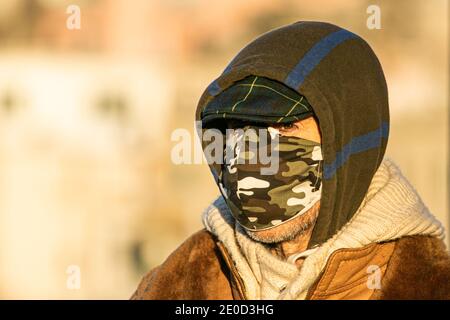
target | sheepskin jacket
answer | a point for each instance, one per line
(416, 267)
(391, 249)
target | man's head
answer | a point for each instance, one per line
(310, 68)
(306, 129)
(271, 172)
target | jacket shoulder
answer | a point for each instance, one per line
(419, 268)
(194, 270)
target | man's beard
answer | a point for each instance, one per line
(289, 230)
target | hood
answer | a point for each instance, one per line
(343, 81)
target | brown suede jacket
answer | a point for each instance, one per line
(415, 267)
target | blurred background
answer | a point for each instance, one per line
(87, 186)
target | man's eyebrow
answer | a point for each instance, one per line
(277, 124)
(233, 122)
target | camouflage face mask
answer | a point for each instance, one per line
(260, 201)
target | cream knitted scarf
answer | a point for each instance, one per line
(391, 209)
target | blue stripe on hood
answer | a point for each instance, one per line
(356, 145)
(313, 57)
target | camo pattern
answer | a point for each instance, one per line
(260, 201)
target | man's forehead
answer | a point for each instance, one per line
(236, 123)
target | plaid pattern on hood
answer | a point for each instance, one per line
(257, 99)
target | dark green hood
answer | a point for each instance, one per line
(342, 79)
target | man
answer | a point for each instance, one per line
(335, 220)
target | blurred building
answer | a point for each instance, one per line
(86, 178)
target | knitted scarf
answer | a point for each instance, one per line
(390, 210)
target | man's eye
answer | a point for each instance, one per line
(288, 127)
